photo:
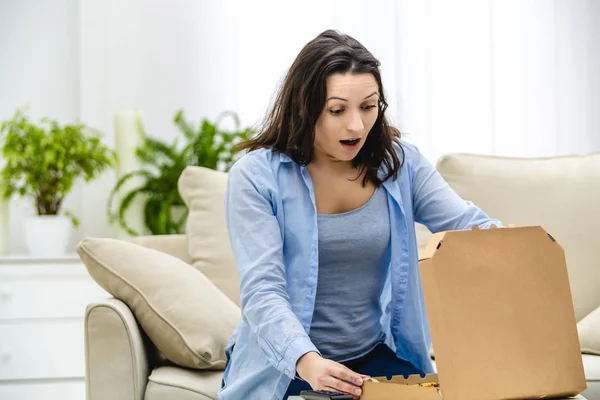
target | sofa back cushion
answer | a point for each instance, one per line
(203, 191)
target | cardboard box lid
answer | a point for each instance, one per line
(501, 315)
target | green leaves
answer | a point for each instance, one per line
(213, 147)
(44, 160)
(204, 145)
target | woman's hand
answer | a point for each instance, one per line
(324, 374)
(494, 226)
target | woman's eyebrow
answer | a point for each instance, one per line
(340, 98)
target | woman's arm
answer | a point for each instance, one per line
(436, 205)
(257, 245)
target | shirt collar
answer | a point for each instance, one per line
(284, 158)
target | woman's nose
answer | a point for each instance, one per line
(355, 124)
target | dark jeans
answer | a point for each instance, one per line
(381, 361)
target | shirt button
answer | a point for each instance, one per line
(402, 279)
(287, 371)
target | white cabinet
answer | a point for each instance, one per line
(66, 389)
(42, 307)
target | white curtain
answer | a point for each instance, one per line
(502, 77)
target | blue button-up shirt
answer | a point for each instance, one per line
(272, 222)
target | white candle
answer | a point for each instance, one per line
(4, 226)
(128, 137)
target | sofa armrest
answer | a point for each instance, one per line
(117, 359)
(589, 333)
(175, 245)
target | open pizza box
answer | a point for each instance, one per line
(501, 319)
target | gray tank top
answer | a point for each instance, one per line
(353, 262)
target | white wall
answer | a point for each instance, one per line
(39, 67)
(502, 77)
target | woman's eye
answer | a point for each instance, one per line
(369, 107)
(336, 112)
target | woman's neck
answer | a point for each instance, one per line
(333, 169)
(331, 165)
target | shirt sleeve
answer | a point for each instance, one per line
(436, 205)
(257, 246)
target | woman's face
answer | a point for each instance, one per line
(350, 111)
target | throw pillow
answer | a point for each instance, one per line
(187, 318)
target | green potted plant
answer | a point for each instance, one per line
(42, 161)
(204, 144)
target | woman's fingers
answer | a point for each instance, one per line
(346, 374)
(322, 373)
(340, 385)
(343, 379)
(493, 226)
(331, 389)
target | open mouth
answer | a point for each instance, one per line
(350, 142)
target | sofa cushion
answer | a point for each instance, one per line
(203, 191)
(589, 333)
(561, 194)
(187, 318)
(166, 383)
(591, 365)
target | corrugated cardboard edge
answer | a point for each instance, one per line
(410, 380)
(433, 304)
(398, 388)
(565, 395)
(432, 245)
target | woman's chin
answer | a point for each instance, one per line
(344, 157)
(342, 154)
(348, 155)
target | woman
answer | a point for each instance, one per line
(321, 215)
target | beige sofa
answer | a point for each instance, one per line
(562, 194)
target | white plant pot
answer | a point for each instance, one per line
(47, 235)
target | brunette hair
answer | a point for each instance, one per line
(290, 126)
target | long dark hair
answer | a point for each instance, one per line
(290, 126)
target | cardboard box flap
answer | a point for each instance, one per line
(432, 245)
(399, 387)
(501, 315)
(409, 380)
